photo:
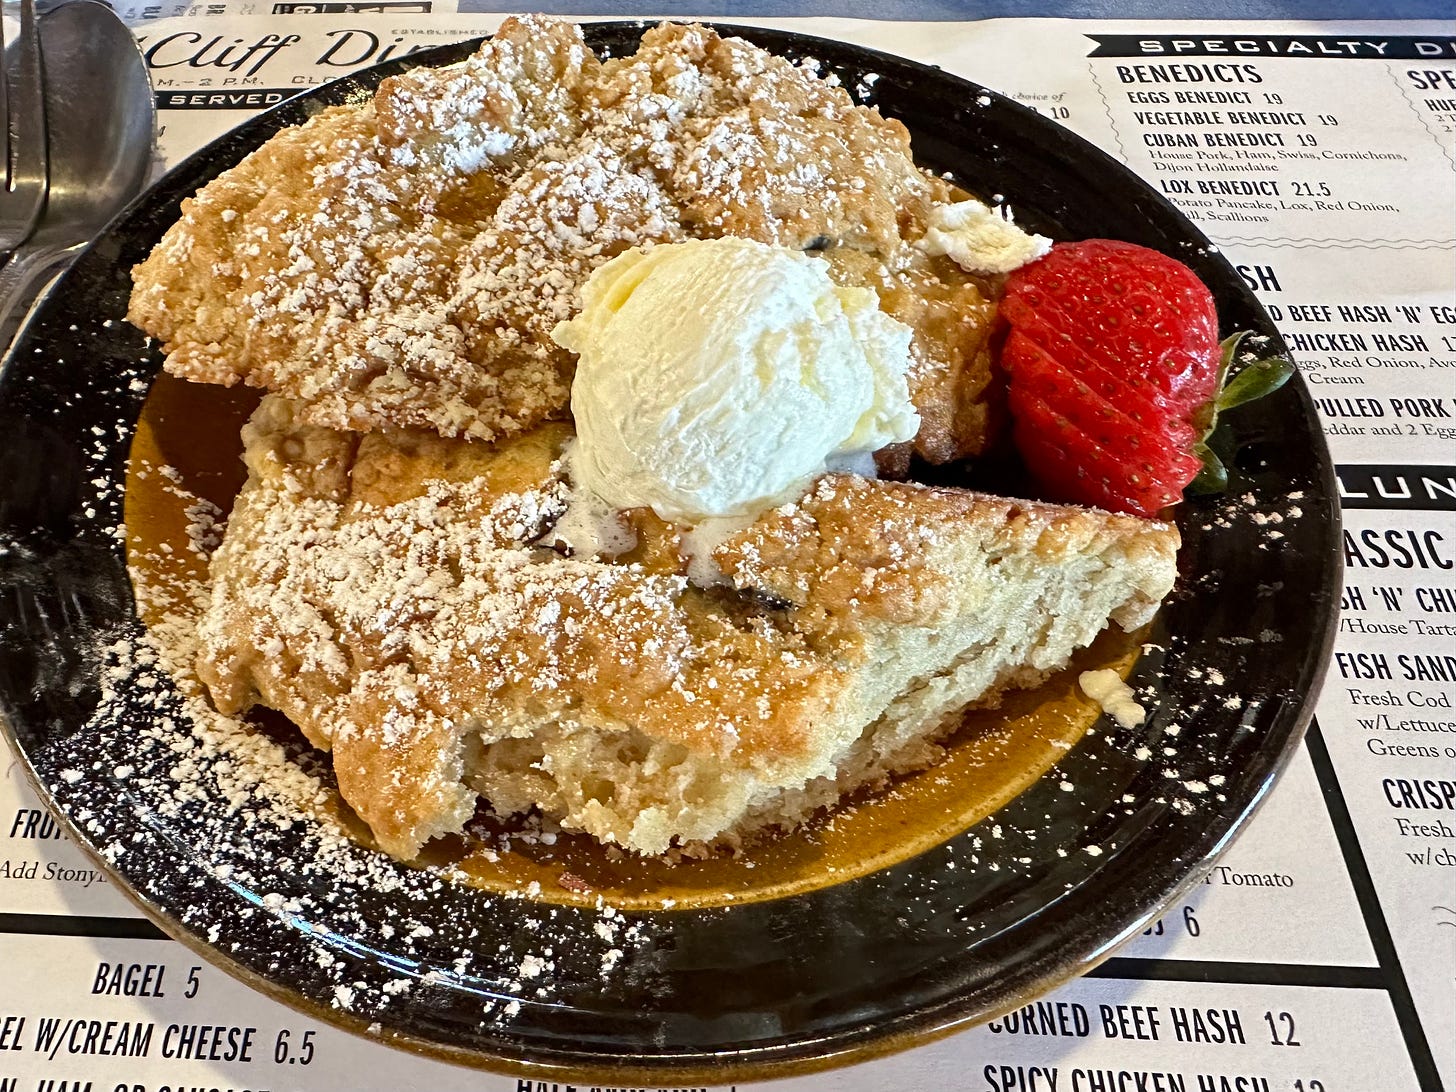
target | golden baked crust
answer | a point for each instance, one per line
(401, 263)
(386, 595)
(855, 548)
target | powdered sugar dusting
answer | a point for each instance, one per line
(262, 817)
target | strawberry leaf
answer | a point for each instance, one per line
(1255, 381)
(1213, 478)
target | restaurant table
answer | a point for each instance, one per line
(1320, 954)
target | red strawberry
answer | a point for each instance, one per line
(1115, 373)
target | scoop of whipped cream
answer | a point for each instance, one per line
(718, 376)
(979, 240)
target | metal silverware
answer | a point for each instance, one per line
(23, 135)
(101, 122)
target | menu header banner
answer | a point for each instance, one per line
(1323, 46)
(1429, 488)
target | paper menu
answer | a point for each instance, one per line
(184, 1021)
(1328, 913)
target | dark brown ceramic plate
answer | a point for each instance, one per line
(948, 915)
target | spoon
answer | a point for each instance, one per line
(101, 124)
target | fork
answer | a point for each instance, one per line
(23, 135)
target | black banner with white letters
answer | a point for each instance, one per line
(1324, 46)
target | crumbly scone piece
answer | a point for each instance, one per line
(520, 92)
(854, 548)
(385, 594)
(404, 622)
(401, 263)
(522, 275)
(324, 265)
(755, 146)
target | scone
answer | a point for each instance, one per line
(385, 594)
(401, 263)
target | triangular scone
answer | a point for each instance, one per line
(383, 593)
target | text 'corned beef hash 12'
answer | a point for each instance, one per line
(595, 388)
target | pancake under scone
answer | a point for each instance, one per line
(384, 593)
(401, 263)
